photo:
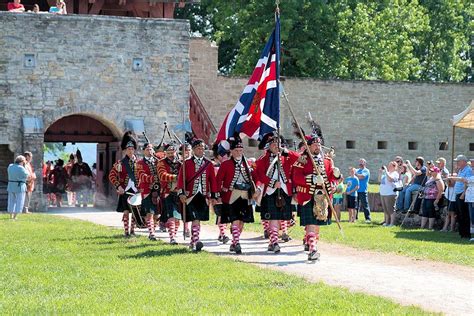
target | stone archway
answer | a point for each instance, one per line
(88, 128)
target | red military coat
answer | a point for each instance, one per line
(225, 178)
(263, 164)
(207, 178)
(118, 175)
(168, 174)
(147, 177)
(303, 172)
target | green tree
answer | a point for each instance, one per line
(345, 39)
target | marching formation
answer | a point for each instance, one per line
(181, 184)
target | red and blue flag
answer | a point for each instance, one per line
(258, 110)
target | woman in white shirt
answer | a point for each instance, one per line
(388, 178)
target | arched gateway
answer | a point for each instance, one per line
(89, 128)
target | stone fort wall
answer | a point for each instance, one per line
(110, 68)
(363, 113)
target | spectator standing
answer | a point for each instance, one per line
(444, 172)
(60, 8)
(450, 219)
(15, 6)
(338, 197)
(17, 178)
(30, 184)
(351, 191)
(432, 192)
(363, 174)
(388, 178)
(419, 172)
(462, 211)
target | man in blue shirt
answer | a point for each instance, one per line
(419, 173)
(462, 210)
(363, 174)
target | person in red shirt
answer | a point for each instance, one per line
(15, 6)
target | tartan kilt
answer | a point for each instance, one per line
(197, 209)
(240, 210)
(305, 212)
(148, 206)
(269, 211)
(170, 207)
(123, 204)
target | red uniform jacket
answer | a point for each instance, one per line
(207, 178)
(168, 173)
(303, 172)
(147, 178)
(263, 164)
(225, 178)
(118, 175)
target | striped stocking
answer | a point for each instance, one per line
(284, 227)
(171, 225)
(132, 227)
(273, 235)
(311, 239)
(151, 227)
(195, 233)
(125, 223)
(222, 228)
(266, 225)
(235, 234)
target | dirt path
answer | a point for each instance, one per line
(433, 286)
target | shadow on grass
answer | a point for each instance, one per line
(157, 253)
(423, 235)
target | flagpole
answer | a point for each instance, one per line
(326, 194)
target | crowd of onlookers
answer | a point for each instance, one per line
(424, 187)
(16, 6)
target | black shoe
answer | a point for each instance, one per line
(265, 234)
(232, 248)
(238, 249)
(199, 246)
(276, 248)
(126, 235)
(285, 237)
(132, 234)
(173, 242)
(152, 237)
(220, 238)
(225, 239)
(270, 247)
(313, 255)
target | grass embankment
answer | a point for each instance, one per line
(58, 266)
(416, 243)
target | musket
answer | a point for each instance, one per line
(315, 167)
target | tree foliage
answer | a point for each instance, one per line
(425, 40)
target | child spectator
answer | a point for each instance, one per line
(337, 197)
(351, 191)
(450, 219)
(60, 8)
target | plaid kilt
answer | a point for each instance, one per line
(240, 210)
(170, 207)
(148, 206)
(305, 212)
(197, 209)
(218, 212)
(269, 210)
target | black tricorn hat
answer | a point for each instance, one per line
(128, 141)
(170, 146)
(72, 157)
(269, 138)
(235, 141)
(60, 162)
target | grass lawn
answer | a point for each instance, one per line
(59, 266)
(416, 243)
